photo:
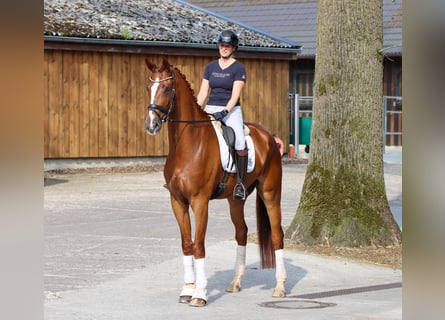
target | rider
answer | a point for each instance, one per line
(222, 83)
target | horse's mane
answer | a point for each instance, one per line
(165, 66)
(192, 92)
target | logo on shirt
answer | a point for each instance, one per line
(220, 74)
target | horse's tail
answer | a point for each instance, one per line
(267, 252)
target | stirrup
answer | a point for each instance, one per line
(239, 192)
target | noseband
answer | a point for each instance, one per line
(156, 107)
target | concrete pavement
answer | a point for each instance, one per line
(112, 251)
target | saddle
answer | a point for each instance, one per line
(228, 134)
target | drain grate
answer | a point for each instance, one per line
(296, 304)
(343, 292)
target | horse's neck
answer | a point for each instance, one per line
(186, 108)
(187, 121)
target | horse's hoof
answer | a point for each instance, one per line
(185, 299)
(186, 293)
(279, 293)
(197, 302)
(233, 287)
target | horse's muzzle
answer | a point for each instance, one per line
(153, 124)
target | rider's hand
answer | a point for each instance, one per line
(220, 114)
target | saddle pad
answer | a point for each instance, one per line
(226, 157)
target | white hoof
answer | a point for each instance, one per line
(186, 293)
(279, 291)
(234, 286)
(199, 298)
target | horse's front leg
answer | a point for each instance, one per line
(200, 209)
(180, 209)
(237, 216)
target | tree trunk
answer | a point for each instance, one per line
(343, 201)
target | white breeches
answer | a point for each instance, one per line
(233, 119)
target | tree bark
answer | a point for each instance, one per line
(343, 201)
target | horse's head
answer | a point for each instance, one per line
(161, 89)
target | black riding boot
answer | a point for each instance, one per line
(239, 192)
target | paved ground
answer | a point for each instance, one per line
(112, 251)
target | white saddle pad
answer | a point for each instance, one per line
(226, 157)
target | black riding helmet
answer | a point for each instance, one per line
(228, 37)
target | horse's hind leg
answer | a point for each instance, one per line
(237, 216)
(269, 192)
(280, 275)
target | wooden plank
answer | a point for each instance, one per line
(46, 110)
(140, 76)
(93, 87)
(132, 104)
(104, 70)
(272, 97)
(250, 98)
(84, 104)
(113, 108)
(74, 86)
(70, 105)
(66, 96)
(54, 89)
(280, 110)
(123, 107)
(263, 91)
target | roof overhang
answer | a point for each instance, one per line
(163, 47)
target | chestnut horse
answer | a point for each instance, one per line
(193, 171)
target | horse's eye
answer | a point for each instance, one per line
(167, 89)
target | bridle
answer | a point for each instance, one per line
(156, 107)
(166, 111)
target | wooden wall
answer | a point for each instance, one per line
(96, 102)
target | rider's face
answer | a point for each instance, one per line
(225, 50)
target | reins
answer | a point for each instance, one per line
(191, 121)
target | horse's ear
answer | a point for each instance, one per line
(166, 64)
(151, 66)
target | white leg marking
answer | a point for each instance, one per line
(280, 274)
(189, 274)
(201, 279)
(240, 268)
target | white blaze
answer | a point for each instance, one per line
(154, 88)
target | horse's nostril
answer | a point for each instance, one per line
(152, 127)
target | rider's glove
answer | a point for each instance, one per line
(220, 114)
